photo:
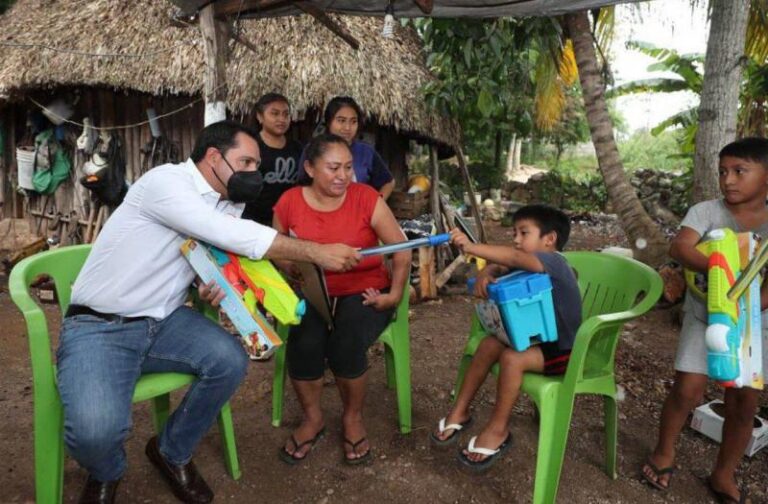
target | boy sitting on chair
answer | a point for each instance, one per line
(540, 232)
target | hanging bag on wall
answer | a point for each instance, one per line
(51, 164)
(108, 183)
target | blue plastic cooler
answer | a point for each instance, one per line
(524, 300)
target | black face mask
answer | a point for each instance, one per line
(242, 187)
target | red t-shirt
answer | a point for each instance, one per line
(349, 224)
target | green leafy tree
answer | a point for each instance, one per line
(571, 129)
(491, 74)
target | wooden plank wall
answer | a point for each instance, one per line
(106, 108)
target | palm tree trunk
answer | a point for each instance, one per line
(718, 112)
(645, 237)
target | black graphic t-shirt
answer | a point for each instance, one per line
(280, 170)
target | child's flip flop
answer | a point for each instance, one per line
(490, 455)
(658, 473)
(363, 458)
(725, 498)
(291, 458)
(452, 438)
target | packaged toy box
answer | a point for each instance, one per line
(257, 333)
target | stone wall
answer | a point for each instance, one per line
(664, 194)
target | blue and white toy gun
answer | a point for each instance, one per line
(429, 241)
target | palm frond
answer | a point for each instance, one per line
(568, 69)
(682, 119)
(549, 97)
(655, 85)
(756, 46)
(605, 27)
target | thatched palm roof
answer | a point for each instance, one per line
(298, 57)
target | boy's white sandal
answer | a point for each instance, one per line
(490, 454)
(442, 427)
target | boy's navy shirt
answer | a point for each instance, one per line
(565, 296)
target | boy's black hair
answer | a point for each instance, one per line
(268, 98)
(749, 148)
(337, 104)
(219, 135)
(547, 219)
(316, 149)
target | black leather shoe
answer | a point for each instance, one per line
(98, 492)
(186, 483)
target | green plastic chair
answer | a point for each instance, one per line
(397, 357)
(614, 290)
(63, 265)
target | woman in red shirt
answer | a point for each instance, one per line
(333, 209)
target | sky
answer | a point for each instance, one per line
(664, 23)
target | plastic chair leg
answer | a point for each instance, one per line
(463, 365)
(227, 430)
(161, 408)
(553, 435)
(611, 434)
(401, 370)
(389, 366)
(278, 386)
(49, 453)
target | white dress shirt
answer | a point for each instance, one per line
(136, 268)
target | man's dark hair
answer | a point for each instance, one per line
(337, 104)
(547, 219)
(749, 148)
(268, 98)
(315, 150)
(219, 135)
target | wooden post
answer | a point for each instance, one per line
(471, 193)
(445, 274)
(427, 273)
(216, 55)
(434, 201)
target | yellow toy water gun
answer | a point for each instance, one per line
(270, 290)
(259, 282)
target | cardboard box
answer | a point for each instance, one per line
(708, 419)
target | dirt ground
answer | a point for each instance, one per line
(405, 468)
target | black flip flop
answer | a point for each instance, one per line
(658, 473)
(724, 498)
(361, 459)
(450, 440)
(291, 458)
(491, 454)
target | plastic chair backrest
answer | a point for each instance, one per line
(609, 284)
(62, 265)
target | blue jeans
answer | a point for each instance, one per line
(99, 363)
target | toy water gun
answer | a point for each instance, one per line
(733, 336)
(243, 290)
(429, 241)
(258, 281)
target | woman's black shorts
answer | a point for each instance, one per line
(311, 343)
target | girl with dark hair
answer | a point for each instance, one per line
(279, 156)
(333, 208)
(344, 117)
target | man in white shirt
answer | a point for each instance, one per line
(127, 314)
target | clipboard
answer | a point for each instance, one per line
(315, 291)
(314, 288)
